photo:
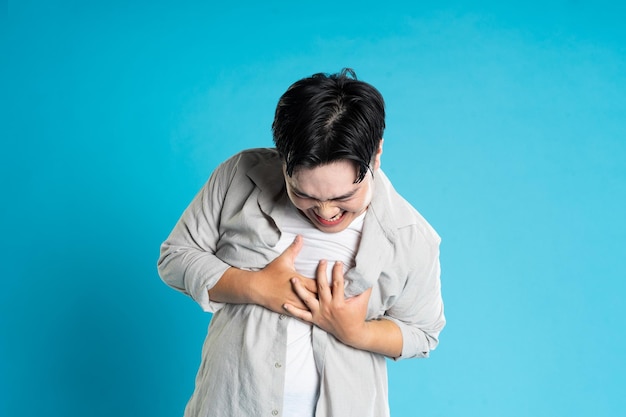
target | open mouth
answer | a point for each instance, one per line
(330, 222)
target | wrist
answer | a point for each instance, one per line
(358, 337)
(235, 287)
(252, 290)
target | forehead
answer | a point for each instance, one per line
(335, 178)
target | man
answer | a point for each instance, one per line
(268, 221)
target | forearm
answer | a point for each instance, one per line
(379, 336)
(234, 287)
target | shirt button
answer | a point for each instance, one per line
(282, 317)
(274, 412)
(277, 365)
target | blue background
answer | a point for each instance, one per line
(506, 129)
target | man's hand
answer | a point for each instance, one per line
(272, 289)
(345, 318)
(330, 310)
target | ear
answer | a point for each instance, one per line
(379, 152)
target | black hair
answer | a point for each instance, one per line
(329, 117)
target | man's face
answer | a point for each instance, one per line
(327, 194)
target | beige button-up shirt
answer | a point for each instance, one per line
(235, 220)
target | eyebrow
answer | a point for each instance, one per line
(341, 197)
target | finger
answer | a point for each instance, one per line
(294, 249)
(337, 288)
(299, 313)
(310, 285)
(321, 278)
(305, 295)
(296, 302)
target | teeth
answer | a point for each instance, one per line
(337, 216)
(332, 219)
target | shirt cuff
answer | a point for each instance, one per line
(410, 341)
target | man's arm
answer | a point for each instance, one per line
(188, 261)
(269, 287)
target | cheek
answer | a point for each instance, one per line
(359, 207)
(300, 203)
(362, 202)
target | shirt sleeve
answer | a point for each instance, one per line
(187, 259)
(418, 310)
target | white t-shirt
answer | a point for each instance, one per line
(302, 377)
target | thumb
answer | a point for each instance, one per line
(293, 250)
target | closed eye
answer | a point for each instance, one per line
(300, 195)
(344, 197)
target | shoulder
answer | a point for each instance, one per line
(251, 168)
(251, 158)
(398, 217)
(253, 163)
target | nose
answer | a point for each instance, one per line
(327, 210)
